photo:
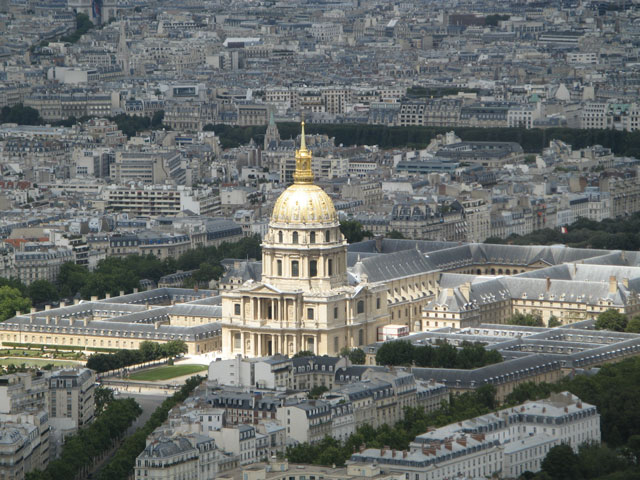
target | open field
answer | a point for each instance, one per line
(167, 372)
(36, 362)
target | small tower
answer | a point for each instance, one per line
(272, 134)
(123, 50)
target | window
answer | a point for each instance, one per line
(295, 268)
(378, 303)
(309, 313)
(335, 312)
(360, 337)
(295, 237)
(236, 308)
(280, 237)
(312, 237)
(327, 236)
(237, 340)
(330, 267)
(336, 344)
(279, 265)
(313, 268)
(360, 306)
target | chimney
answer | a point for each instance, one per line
(195, 287)
(75, 301)
(393, 453)
(548, 284)
(107, 296)
(94, 298)
(462, 441)
(85, 321)
(56, 320)
(465, 290)
(47, 307)
(613, 284)
(404, 454)
(625, 282)
(63, 304)
(135, 290)
(121, 293)
(33, 310)
(378, 239)
(448, 446)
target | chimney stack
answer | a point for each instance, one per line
(548, 284)
(613, 284)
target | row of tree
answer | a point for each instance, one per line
(617, 322)
(83, 25)
(531, 140)
(115, 274)
(612, 234)
(123, 461)
(147, 352)
(82, 449)
(444, 355)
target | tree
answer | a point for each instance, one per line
(553, 322)
(158, 117)
(397, 352)
(318, 390)
(526, 320)
(352, 230)
(561, 463)
(355, 355)
(611, 320)
(304, 353)
(21, 115)
(12, 301)
(42, 291)
(634, 325)
(395, 234)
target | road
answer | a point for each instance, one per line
(149, 403)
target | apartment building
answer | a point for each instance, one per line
(160, 200)
(511, 441)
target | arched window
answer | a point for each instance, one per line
(330, 267)
(295, 268)
(327, 236)
(295, 237)
(360, 306)
(312, 237)
(280, 236)
(279, 264)
(313, 268)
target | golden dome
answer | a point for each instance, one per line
(304, 203)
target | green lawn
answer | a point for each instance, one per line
(38, 362)
(167, 372)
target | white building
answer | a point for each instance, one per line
(512, 441)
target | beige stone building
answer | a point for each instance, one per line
(304, 300)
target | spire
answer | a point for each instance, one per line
(303, 173)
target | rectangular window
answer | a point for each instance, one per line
(309, 313)
(313, 268)
(330, 267)
(295, 268)
(279, 263)
(336, 344)
(236, 308)
(335, 312)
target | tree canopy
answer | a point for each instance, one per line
(352, 230)
(12, 301)
(526, 320)
(470, 355)
(611, 320)
(148, 351)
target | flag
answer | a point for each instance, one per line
(563, 230)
